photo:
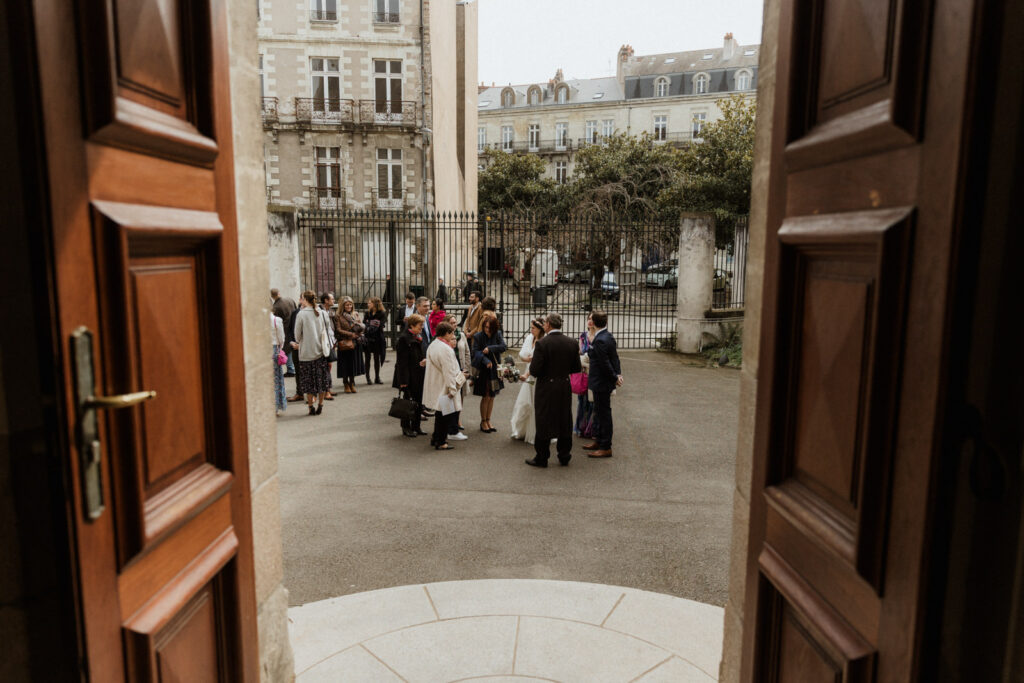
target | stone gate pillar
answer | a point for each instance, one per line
(696, 278)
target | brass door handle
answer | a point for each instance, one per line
(90, 450)
(119, 401)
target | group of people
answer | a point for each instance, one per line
(440, 360)
(436, 363)
(311, 336)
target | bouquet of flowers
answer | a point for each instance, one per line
(508, 372)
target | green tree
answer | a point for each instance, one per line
(514, 183)
(715, 173)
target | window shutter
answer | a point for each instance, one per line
(396, 181)
(382, 181)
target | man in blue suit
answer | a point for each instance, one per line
(605, 376)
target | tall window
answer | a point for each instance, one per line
(534, 96)
(561, 172)
(661, 128)
(563, 94)
(700, 84)
(323, 10)
(699, 119)
(508, 98)
(743, 80)
(661, 86)
(389, 178)
(607, 128)
(481, 138)
(561, 135)
(507, 136)
(387, 83)
(328, 177)
(386, 12)
(591, 132)
(326, 85)
(263, 90)
(534, 136)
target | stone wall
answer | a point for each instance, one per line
(732, 649)
(276, 660)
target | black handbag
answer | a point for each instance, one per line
(403, 408)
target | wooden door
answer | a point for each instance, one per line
(137, 124)
(866, 131)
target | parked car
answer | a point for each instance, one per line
(609, 286)
(574, 274)
(662, 276)
(543, 268)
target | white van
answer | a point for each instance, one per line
(543, 268)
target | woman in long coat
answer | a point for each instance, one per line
(348, 331)
(488, 345)
(311, 326)
(409, 370)
(442, 384)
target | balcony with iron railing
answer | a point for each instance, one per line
(323, 16)
(532, 147)
(386, 17)
(327, 198)
(336, 112)
(268, 108)
(389, 199)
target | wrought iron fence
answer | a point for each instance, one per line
(332, 111)
(530, 266)
(268, 107)
(731, 266)
(385, 17)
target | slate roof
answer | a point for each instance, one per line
(690, 61)
(581, 90)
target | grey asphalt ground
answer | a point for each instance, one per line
(364, 507)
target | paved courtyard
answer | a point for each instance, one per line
(365, 508)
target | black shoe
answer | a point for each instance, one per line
(564, 461)
(320, 409)
(409, 432)
(420, 432)
(534, 462)
(368, 382)
(377, 381)
(289, 374)
(312, 410)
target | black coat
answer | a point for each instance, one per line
(409, 353)
(555, 357)
(442, 293)
(604, 362)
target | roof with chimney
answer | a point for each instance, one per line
(730, 56)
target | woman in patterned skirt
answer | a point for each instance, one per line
(315, 376)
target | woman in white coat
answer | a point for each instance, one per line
(524, 421)
(442, 384)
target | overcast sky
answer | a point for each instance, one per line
(525, 41)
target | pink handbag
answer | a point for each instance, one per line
(579, 383)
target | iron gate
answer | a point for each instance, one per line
(530, 266)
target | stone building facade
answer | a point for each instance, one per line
(358, 96)
(670, 96)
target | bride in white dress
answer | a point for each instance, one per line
(524, 424)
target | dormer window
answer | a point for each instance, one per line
(562, 94)
(700, 84)
(533, 97)
(743, 80)
(508, 97)
(661, 87)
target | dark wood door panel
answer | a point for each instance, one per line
(842, 327)
(146, 87)
(858, 78)
(810, 641)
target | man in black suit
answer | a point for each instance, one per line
(605, 376)
(283, 308)
(555, 357)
